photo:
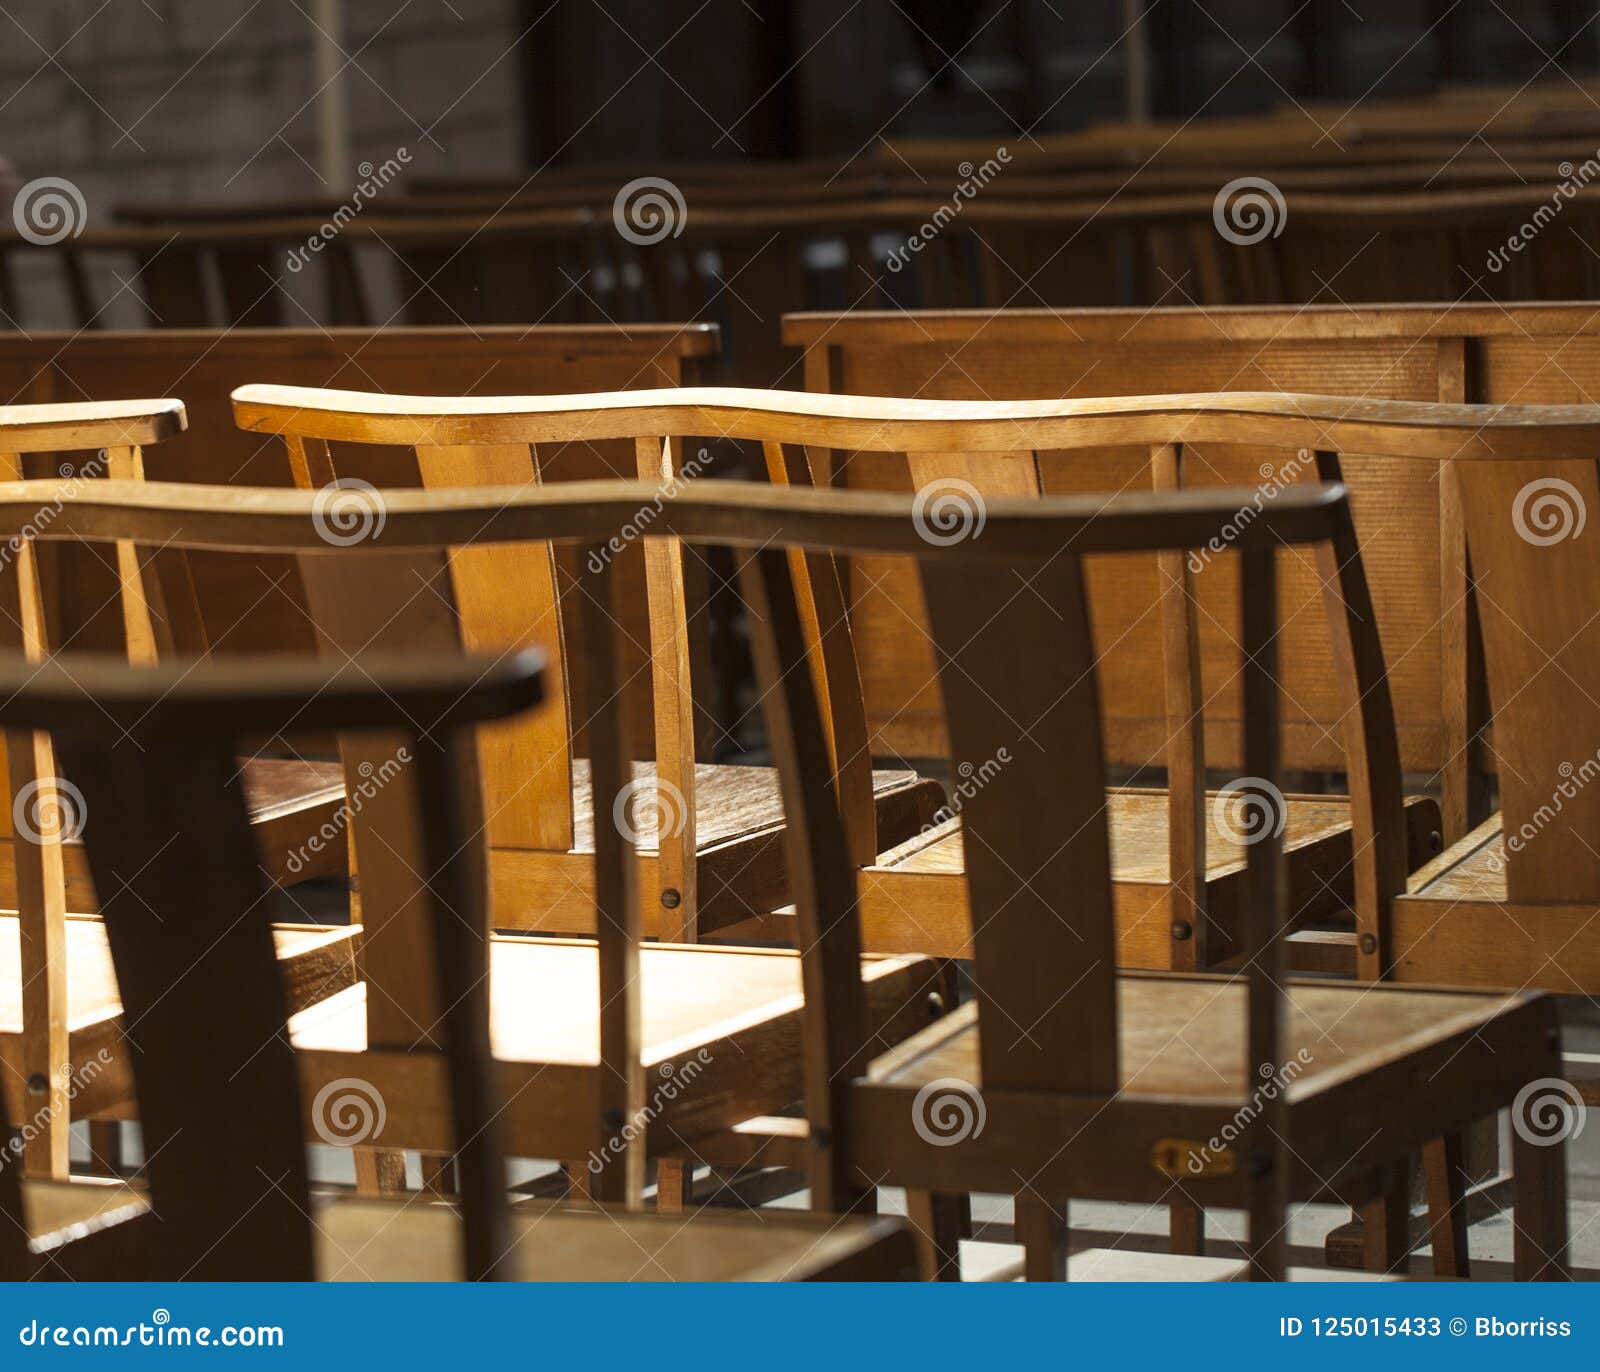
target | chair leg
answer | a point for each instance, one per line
(1186, 1229)
(1539, 1209)
(1041, 1228)
(380, 1171)
(1387, 1222)
(105, 1148)
(1444, 1164)
(936, 1221)
(439, 1175)
(674, 1185)
(578, 1179)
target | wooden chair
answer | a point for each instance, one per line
(1063, 1074)
(708, 833)
(718, 1019)
(228, 1193)
(257, 605)
(929, 913)
(1179, 851)
(58, 999)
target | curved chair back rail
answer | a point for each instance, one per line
(91, 424)
(734, 513)
(1397, 427)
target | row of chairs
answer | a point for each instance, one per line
(1046, 901)
(1454, 197)
(742, 265)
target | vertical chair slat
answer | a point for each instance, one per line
(451, 825)
(1266, 965)
(673, 693)
(825, 617)
(1372, 754)
(41, 881)
(1533, 559)
(1186, 743)
(616, 904)
(1016, 670)
(821, 875)
(233, 1091)
(526, 762)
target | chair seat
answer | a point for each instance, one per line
(316, 961)
(369, 1240)
(1458, 923)
(289, 800)
(545, 1006)
(375, 1240)
(914, 896)
(58, 1208)
(1370, 1074)
(720, 1022)
(1185, 1036)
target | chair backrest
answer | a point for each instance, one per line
(258, 606)
(64, 596)
(1408, 515)
(186, 910)
(1535, 565)
(1010, 620)
(795, 429)
(1019, 667)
